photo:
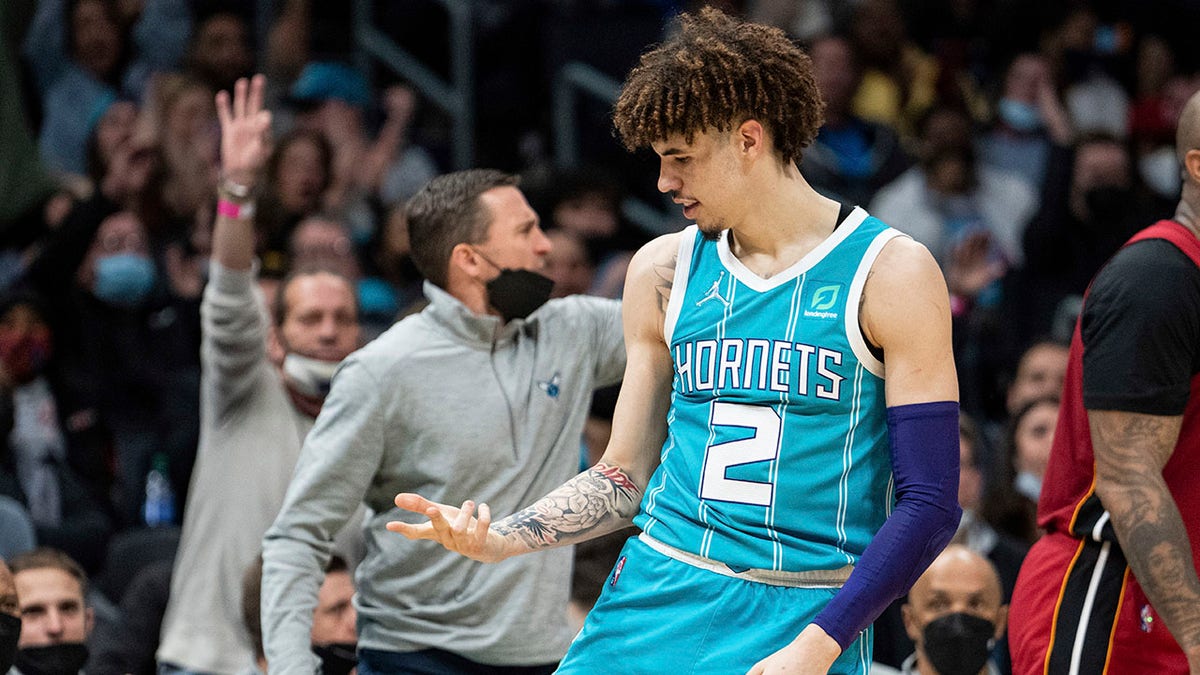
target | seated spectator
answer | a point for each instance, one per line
(893, 643)
(55, 618)
(296, 178)
(955, 614)
(48, 438)
(568, 264)
(219, 49)
(179, 117)
(333, 626)
(98, 48)
(1096, 101)
(394, 280)
(1091, 206)
(1003, 550)
(851, 157)
(1030, 119)
(950, 196)
(335, 100)
(1039, 374)
(587, 202)
(1023, 465)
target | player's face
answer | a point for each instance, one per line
(515, 239)
(52, 608)
(701, 176)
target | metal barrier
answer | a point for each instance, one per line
(455, 97)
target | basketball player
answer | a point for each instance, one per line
(787, 492)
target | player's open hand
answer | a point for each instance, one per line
(458, 529)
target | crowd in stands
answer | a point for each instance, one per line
(1022, 142)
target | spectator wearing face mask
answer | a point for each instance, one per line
(264, 381)
(954, 615)
(55, 617)
(1092, 203)
(333, 626)
(135, 344)
(48, 438)
(1030, 120)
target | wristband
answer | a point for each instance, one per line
(236, 191)
(235, 210)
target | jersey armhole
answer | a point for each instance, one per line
(683, 267)
(853, 329)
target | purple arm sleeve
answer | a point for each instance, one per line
(924, 441)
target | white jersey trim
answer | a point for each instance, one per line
(853, 329)
(683, 267)
(761, 285)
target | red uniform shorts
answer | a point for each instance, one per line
(1076, 608)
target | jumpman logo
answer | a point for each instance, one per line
(714, 293)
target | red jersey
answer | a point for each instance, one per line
(1068, 501)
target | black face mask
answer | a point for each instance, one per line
(518, 293)
(61, 659)
(958, 644)
(10, 633)
(336, 658)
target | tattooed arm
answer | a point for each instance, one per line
(1131, 450)
(605, 497)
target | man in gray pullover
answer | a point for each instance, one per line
(484, 393)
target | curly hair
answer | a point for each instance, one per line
(716, 73)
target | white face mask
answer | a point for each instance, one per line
(1028, 485)
(1160, 172)
(310, 377)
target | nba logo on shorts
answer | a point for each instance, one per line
(617, 572)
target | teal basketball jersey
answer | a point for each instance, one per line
(777, 453)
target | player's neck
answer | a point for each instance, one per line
(783, 217)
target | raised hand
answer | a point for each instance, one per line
(454, 528)
(245, 130)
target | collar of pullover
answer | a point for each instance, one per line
(483, 329)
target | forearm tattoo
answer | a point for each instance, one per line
(599, 500)
(1146, 518)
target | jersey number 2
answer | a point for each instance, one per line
(763, 446)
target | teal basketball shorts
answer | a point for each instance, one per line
(657, 614)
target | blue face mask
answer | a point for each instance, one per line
(124, 279)
(1019, 115)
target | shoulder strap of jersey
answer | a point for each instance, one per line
(1174, 232)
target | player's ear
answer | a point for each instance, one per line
(751, 138)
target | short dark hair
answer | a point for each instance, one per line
(716, 73)
(45, 557)
(447, 212)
